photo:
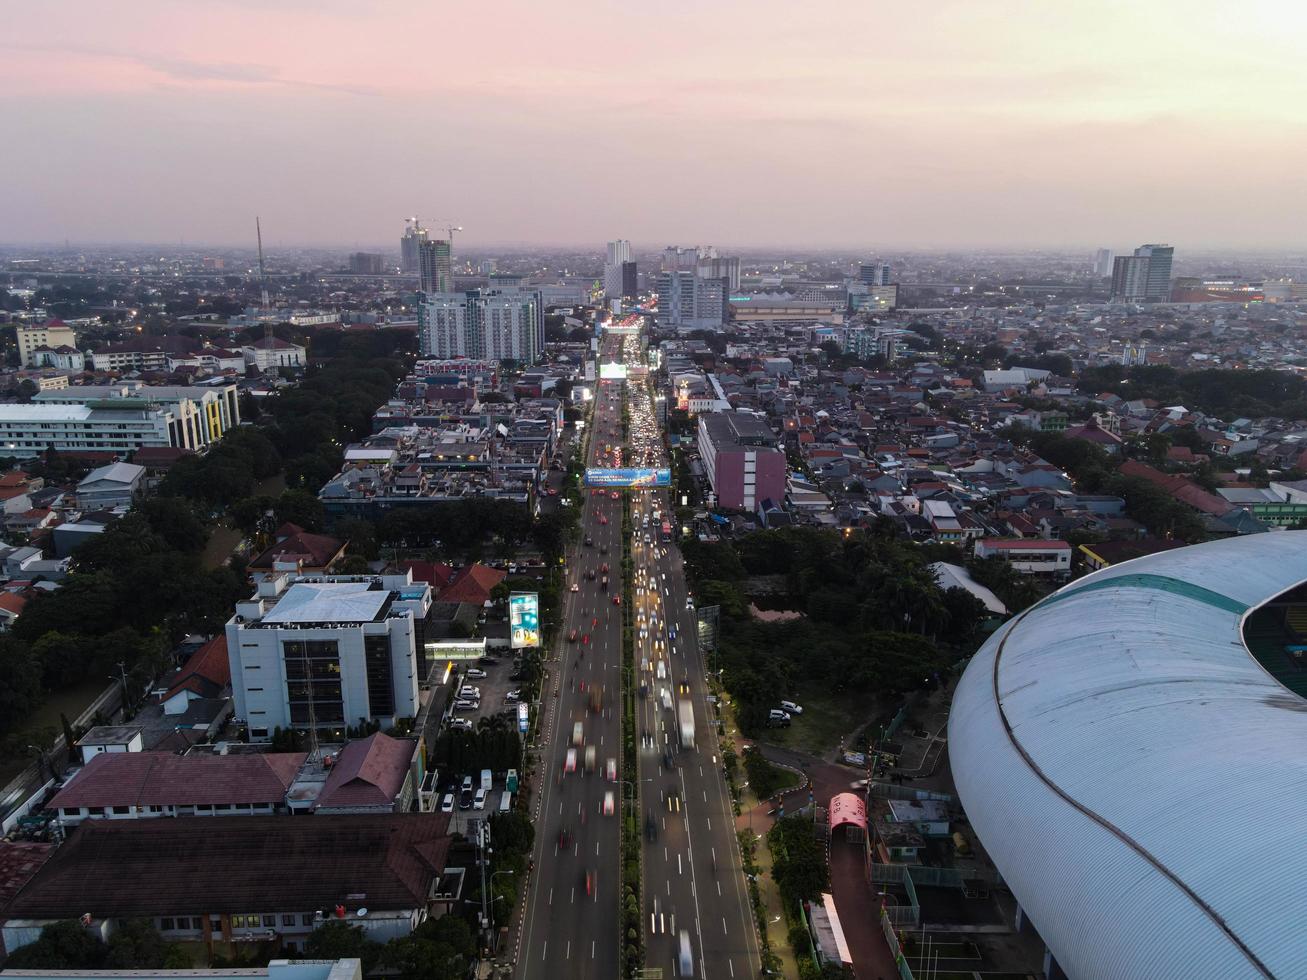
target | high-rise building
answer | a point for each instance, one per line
(487, 324)
(685, 300)
(1144, 276)
(617, 254)
(435, 266)
(630, 281)
(726, 268)
(366, 263)
(677, 259)
(414, 236)
(1159, 270)
(1103, 263)
(874, 273)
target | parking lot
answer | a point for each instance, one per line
(461, 821)
(493, 687)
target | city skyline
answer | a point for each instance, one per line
(958, 127)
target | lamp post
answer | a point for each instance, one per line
(493, 876)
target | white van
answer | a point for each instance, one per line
(505, 801)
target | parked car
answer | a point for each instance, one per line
(447, 803)
(476, 673)
(512, 697)
(791, 708)
(461, 725)
(479, 800)
(776, 718)
(465, 800)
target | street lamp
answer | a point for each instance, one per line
(492, 905)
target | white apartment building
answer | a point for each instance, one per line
(327, 651)
(270, 353)
(691, 303)
(617, 253)
(489, 324)
(52, 334)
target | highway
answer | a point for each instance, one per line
(693, 878)
(570, 926)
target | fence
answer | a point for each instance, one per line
(892, 939)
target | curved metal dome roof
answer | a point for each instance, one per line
(1137, 777)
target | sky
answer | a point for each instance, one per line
(846, 124)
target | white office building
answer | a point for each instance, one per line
(29, 430)
(197, 415)
(689, 302)
(617, 254)
(326, 651)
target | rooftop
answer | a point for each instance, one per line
(329, 602)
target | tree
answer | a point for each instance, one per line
(352, 565)
(300, 507)
(61, 946)
(360, 535)
(137, 945)
(20, 683)
(338, 940)
(174, 520)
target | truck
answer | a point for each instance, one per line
(686, 712)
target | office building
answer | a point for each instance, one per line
(677, 259)
(1144, 276)
(366, 263)
(435, 266)
(410, 245)
(196, 415)
(29, 430)
(617, 255)
(486, 324)
(326, 651)
(874, 273)
(741, 458)
(53, 334)
(686, 301)
(1103, 263)
(630, 281)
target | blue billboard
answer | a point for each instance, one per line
(637, 478)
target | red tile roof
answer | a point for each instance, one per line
(1181, 488)
(368, 772)
(161, 779)
(207, 669)
(12, 603)
(315, 550)
(1024, 544)
(149, 868)
(472, 584)
(435, 574)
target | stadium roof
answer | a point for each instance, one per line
(1137, 777)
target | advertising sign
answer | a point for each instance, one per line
(524, 619)
(638, 478)
(612, 372)
(523, 717)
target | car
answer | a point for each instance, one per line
(791, 708)
(589, 541)
(469, 693)
(650, 826)
(489, 662)
(513, 696)
(589, 882)
(616, 495)
(603, 519)
(575, 587)
(610, 770)
(590, 758)
(603, 569)
(585, 640)
(569, 763)
(578, 734)
(617, 600)
(461, 725)
(467, 705)
(571, 637)
(447, 803)
(603, 549)
(479, 799)
(776, 717)
(466, 784)
(476, 673)
(686, 963)
(564, 838)
(465, 800)
(610, 804)
(673, 801)
(671, 633)
(661, 672)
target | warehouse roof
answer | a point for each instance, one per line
(1101, 741)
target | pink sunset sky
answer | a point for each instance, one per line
(842, 124)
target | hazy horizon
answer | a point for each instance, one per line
(992, 127)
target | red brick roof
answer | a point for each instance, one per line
(1024, 544)
(368, 772)
(472, 584)
(1181, 488)
(12, 603)
(161, 779)
(149, 868)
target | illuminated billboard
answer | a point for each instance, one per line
(524, 619)
(523, 717)
(612, 372)
(638, 478)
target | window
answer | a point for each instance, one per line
(306, 919)
(258, 733)
(222, 806)
(122, 809)
(95, 811)
(167, 925)
(288, 920)
(270, 922)
(238, 922)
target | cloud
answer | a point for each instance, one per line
(187, 70)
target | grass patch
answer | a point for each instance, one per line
(43, 725)
(827, 718)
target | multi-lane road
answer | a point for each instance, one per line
(693, 880)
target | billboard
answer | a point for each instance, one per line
(524, 619)
(612, 372)
(523, 717)
(639, 478)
